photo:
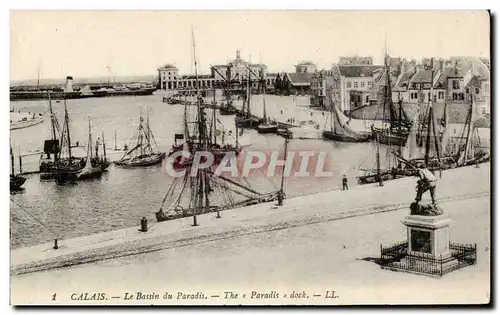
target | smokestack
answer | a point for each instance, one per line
(69, 84)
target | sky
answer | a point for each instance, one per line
(102, 43)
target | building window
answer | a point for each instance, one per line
(456, 84)
(362, 84)
(467, 90)
(348, 84)
(477, 90)
(355, 84)
(458, 96)
(434, 97)
(414, 96)
(440, 95)
(369, 84)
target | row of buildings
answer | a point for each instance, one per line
(351, 83)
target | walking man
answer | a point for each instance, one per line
(344, 183)
(426, 182)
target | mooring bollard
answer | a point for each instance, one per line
(144, 224)
(55, 244)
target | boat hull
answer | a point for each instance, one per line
(247, 122)
(149, 160)
(26, 124)
(267, 129)
(388, 138)
(386, 175)
(328, 135)
(224, 111)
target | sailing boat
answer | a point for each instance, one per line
(89, 171)
(397, 131)
(16, 181)
(143, 148)
(471, 152)
(51, 147)
(206, 192)
(430, 154)
(266, 126)
(218, 147)
(57, 161)
(228, 108)
(339, 124)
(244, 118)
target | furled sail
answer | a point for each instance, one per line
(341, 124)
(411, 150)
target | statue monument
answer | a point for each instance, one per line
(427, 225)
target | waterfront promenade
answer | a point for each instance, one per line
(325, 235)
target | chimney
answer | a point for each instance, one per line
(69, 84)
(441, 65)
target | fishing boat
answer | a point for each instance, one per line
(397, 126)
(340, 129)
(472, 151)
(228, 109)
(244, 118)
(57, 161)
(89, 171)
(26, 122)
(267, 126)
(16, 181)
(428, 152)
(217, 134)
(190, 196)
(143, 148)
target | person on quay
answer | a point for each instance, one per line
(344, 183)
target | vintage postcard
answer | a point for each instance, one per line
(250, 157)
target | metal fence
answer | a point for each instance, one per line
(397, 257)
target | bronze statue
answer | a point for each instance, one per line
(427, 182)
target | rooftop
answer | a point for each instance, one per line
(300, 78)
(358, 71)
(403, 82)
(422, 76)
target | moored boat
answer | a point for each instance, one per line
(144, 150)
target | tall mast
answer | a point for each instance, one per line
(249, 90)
(201, 199)
(89, 146)
(263, 87)
(281, 192)
(428, 142)
(12, 170)
(103, 145)
(469, 129)
(148, 133)
(214, 113)
(52, 118)
(379, 175)
(115, 142)
(66, 121)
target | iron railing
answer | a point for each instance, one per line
(397, 257)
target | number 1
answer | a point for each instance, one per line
(54, 296)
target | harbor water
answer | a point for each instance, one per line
(44, 210)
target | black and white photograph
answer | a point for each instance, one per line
(250, 157)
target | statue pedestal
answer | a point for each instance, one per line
(429, 235)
